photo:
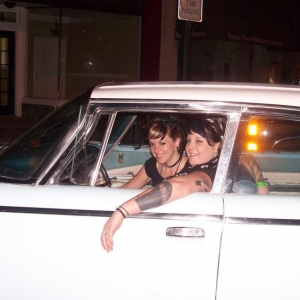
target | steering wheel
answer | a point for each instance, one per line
(81, 174)
(105, 177)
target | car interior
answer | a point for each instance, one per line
(274, 143)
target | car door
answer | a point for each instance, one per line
(260, 249)
(50, 246)
(260, 243)
(52, 250)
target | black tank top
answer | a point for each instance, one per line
(209, 168)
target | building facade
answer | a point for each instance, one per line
(50, 53)
(52, 50)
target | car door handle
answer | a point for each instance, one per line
(185, 232)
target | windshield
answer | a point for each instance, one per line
(24, 157)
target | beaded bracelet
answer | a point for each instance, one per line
(261, 183)
(120, 211)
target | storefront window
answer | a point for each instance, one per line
(70, 50)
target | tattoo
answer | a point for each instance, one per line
(203, 185)
(156, 196)
(253, 168)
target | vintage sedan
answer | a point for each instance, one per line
(61, 180)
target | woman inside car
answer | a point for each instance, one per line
(202, 148)
(166, 141)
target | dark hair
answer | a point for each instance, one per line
(211, 129)
(159, 127)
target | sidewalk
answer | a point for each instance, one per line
(11, 127)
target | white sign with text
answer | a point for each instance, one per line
(190, 10)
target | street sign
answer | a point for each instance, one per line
(190, 10)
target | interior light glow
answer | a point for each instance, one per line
(252, 129)
(252, 146)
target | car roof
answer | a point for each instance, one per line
(287, 95)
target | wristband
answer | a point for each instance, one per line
(124, 210)
(261, 183)
(120, 211)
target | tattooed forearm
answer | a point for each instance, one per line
(252, 167)
(203, 185)
(156, 196)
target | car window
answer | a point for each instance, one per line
(272, 134)
(275, 144)
(126, 150)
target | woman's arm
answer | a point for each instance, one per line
(138, 180)
(249, 162)
(163, 193)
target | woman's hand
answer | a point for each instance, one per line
(109, 229)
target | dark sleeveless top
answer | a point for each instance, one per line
(152, 172)
(209, 168)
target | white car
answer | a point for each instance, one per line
(61, 181)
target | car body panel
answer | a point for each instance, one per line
(187, 91)
(258, 242)
(67, 231)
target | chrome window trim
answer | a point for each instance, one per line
(151, 215)
(108, 213)
(192, 104)
(237, 147)
(261, 110)
(153, 105)
(221, 182)
(104, 142)
(262, 221)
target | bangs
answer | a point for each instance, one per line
(157, 131)
(198, 128)
(201, 130)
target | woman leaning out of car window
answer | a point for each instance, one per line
(202, 148)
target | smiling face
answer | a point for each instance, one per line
(165, 150)
(198, 150)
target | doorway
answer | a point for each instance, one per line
(45, 68)
(7, 72)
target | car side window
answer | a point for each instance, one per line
(126, 151)
(126, 159)
(275, 144)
